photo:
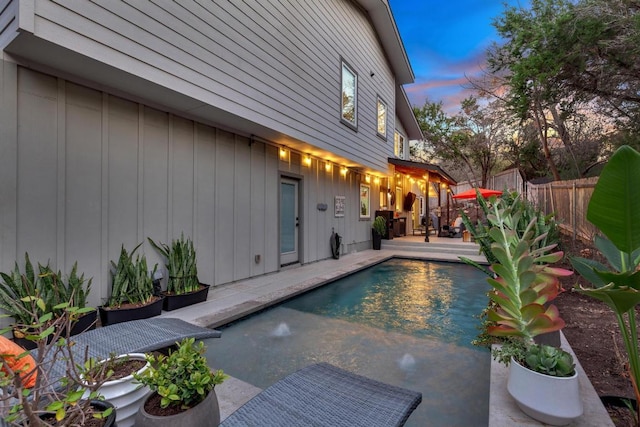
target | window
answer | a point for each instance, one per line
(398, 145)
(382, 119)
(349, 98)
(364, 202)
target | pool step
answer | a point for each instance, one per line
(435, 249)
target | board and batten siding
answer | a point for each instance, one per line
(84, 172)
(274, 63)
(8, 21)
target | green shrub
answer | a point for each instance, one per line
(182, 378)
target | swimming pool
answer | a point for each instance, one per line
(404, 322)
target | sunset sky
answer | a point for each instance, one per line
(446, 40)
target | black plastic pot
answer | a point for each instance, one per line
(377, 240)
(100, 405)
(84, 323)
(111, 316)
(176, 301)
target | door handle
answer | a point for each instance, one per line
(297, 222)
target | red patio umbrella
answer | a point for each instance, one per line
(471, 194)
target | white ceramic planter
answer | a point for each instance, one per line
(552, 400)
(126, 394)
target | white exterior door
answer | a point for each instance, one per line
(289, 221)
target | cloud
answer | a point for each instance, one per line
(448, 82)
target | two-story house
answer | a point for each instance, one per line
(254, 127)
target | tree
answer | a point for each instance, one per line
(471, 139)
(567, 64)
(436, 127)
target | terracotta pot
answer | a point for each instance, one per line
(204, 414)
(552, 400)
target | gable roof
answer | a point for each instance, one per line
(385, 25)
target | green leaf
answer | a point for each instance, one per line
(615, 204)
(587, 269)
(74, 396)
(620, 300)
(54, 406)
(610, 252)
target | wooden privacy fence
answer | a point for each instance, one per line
(569, 200)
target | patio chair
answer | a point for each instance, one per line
(136, 336)
(325, 395)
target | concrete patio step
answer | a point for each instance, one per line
(461, 249)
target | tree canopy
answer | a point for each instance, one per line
(562, 92)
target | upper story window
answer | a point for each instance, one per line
(349, 98)
(382, 118)
(398, 145)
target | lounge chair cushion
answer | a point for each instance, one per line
(9, 351)
(325, 395)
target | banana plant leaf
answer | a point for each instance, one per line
(615, 202)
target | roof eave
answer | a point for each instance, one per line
(385, 25)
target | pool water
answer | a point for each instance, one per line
(404, 322)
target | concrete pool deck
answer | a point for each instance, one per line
(232, 301)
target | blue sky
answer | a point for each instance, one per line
(446, 40)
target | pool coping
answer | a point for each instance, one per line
(233, 301)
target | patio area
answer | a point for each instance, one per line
(232, 301)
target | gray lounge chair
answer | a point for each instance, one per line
(136, 336)
(324, 395)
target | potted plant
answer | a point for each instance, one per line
(121, 389)
(32, 392)
(183, 389)
(16, 288)
(542, 379)
(132, 296)
(183, 287)
(377, 231)
(614, 208)
(74, 290)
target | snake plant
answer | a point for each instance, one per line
(131, 281)
(181, 265)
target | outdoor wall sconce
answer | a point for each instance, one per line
(283, 153)
(344, 171)
(307, 160)
(367, 179)
(327, 166)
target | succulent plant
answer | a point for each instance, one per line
(549, 360)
